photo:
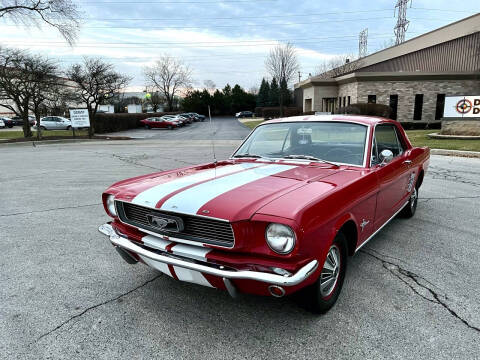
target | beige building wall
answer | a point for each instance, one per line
(406, 91)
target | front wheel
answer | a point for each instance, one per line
(69, 127)
(322, 295)
(43, 128)
(409, 209)
(147, 127)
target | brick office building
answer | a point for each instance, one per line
(413, 78)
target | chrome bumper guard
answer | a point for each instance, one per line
(274, 279)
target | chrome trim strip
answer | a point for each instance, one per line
(381, 227)
(173, 212)
(269, 278)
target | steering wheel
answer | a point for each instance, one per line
(339, 150)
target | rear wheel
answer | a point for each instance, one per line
(323, 294)
(69, 127)
(147, 127)
(43, 128)
(170, 127)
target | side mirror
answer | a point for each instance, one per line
(386, 156)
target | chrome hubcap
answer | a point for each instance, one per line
(330, 272)
(413, 198)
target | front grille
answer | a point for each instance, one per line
(196, 228)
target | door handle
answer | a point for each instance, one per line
(407, 162)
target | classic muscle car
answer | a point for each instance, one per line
(282, 214)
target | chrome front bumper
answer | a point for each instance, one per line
(281, 280)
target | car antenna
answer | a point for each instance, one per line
(213, 140)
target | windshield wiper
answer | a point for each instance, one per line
(255, 156)
(308, 157)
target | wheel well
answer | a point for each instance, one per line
(349, 229)
(420, 179)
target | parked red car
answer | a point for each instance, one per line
(156, 122)
(281, 215)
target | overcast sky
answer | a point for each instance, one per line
(227, 41)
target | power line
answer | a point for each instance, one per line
(222, 26)
(228, 43)
(100, 3)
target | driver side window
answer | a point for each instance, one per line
(385, 138)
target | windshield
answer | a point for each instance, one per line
(338, 142)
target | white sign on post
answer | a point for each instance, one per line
(462, 107)
(79, 118)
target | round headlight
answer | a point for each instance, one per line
(280, 238)
(111, 205)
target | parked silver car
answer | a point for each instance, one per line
(55, 123)
(2, 124)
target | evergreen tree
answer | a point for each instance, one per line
(285, 96)
(263, 93)
(274, 93)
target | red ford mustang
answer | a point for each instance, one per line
(281, 215)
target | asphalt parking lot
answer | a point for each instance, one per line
(413, 292)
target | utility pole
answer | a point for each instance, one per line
(299, 76)
(402, 22)
(363, 43)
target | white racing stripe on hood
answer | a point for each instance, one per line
(192, 199)
(153, 195)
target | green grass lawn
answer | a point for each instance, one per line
(252, 124)
(46, 133)
(420, 138)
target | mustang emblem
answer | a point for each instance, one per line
(364, 223)
(166, 222)
(410, 182)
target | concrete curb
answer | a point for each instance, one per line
(453, 137)
(460, 153)
(59, 141)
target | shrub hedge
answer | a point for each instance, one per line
(274, 112)
(366, 109)
(104, 123)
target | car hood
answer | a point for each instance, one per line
(230, 190)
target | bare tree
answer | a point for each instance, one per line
(45, 84)
(97, 82)
(337, 66)
(168, 75)
(25, 82)
(282, 64)
(155, 100)
(61, 14)
(210, 86)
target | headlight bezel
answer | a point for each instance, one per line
(290, 242)
(110, 205)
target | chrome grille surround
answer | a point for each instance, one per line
(198, 229)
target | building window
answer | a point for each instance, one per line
(394, 106)
(349, 101)
(372, 99)
(344, 101)
(440, 106)
(417, 110)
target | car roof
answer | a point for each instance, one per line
(360, 119)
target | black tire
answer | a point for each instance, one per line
(69, 127)
(318, 299)
(43, 128)
(147, 127)
(170, 127)
(410, 209)
(9, 126)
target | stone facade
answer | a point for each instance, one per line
(406, 91)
